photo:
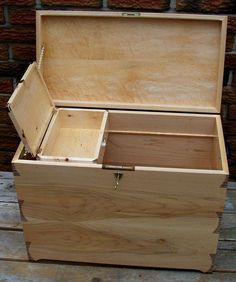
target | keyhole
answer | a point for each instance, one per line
(118, 176)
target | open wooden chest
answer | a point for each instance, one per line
(122, 159)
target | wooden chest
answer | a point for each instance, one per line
(122, 159)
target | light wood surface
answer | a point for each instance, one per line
(165, 210)
(160, 151)
(159, 133)
(15, 266)
(140, 224)
(74, 134)
(156, 61)
(30, 108)
(163, 140)
(179, 123)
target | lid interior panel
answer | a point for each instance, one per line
(168, 63)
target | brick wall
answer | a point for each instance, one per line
(17, 50)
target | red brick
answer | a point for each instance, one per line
(229, 42)
(230, 60)
(140, 4)
(17, 2)
(206, 6)
(224, 111)
(232, 24)
(8, 144)
(232, 142)
(3, 52)
(229, 95)
(76, 3)
(22, 16)
(6, 85)
(233, 83)
(12, 69)
(4, 117)
(229, 127)
(23, 52)
(1, 16)
(232, 112)
(7, 130)
(232, 156)
(232, 172)
(3, 102)
(17, 34)
(5, 160)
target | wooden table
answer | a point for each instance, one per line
(14, 265)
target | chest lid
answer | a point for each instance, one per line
(31, 108)
(162, 62)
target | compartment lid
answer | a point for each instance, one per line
(30, 109)
(169, 62)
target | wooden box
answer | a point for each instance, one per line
(122, 159)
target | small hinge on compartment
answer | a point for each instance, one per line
(54, 110)
(39, 151)
(41, 57)
(121, 167)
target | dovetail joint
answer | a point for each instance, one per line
(15, 171)
(212, 256)
(27, 244)
(219, 215)
(21, 202)
(225, 183)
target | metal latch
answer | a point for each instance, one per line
(118, 167)
(119, 172)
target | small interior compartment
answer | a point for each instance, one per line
(163, 140)
(74, 134)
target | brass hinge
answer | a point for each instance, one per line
(41, 57)
(118, 168)
(131, 14)
(54, 110)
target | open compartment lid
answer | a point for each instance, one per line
(31, 108)
(169, 62)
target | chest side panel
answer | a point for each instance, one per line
(151, 220)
